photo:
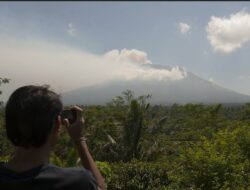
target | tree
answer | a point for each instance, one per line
(3, 81)
(219, 163)
(5, 147)
(129, 112)
(246, 112)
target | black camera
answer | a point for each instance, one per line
(68, 114)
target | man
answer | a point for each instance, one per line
(32, 117)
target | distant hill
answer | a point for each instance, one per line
(191, 89)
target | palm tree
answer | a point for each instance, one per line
(134, 126)
(129, 113)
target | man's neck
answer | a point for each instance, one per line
(26, 159)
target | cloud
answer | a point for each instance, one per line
(244, 77)
(140, 73)
(131, 56)
(132, 66)
(205, 52)
(65, 68)
(71, 30)
(184, 27)
(229, 33)
(211, 80)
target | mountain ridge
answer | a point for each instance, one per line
(191, 89)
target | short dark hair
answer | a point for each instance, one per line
(30, 114)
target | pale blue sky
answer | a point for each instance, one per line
(151, 27)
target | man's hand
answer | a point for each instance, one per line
(75, 130)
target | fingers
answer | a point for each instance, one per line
(78, 111)
(75, 129)
(65, 122)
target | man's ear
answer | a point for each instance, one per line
(55, 131)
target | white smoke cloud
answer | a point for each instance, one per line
(244, 77)
(128, 56)
(229, 33)
(211, 80)
(72, 30)
(65, 68)
(175, 73)
(184, 27)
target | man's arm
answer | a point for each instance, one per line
(75, 131)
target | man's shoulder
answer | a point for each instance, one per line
(73, 170)
(70, 172)
(48, 176)
(74, 177)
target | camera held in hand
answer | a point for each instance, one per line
(69, 114)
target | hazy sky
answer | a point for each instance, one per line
(74, 44)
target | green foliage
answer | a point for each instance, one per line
(133, 129)
(6, 149)
(105, 170)
(138, 175)
(220, 163)
(3, 81)
(176, 147)
(130, 113)
(246, 113)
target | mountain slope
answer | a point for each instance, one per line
(191, 89)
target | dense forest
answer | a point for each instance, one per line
(141, 146)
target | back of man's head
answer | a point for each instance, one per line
(30, 114)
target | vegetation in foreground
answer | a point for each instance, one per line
(138, 146)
